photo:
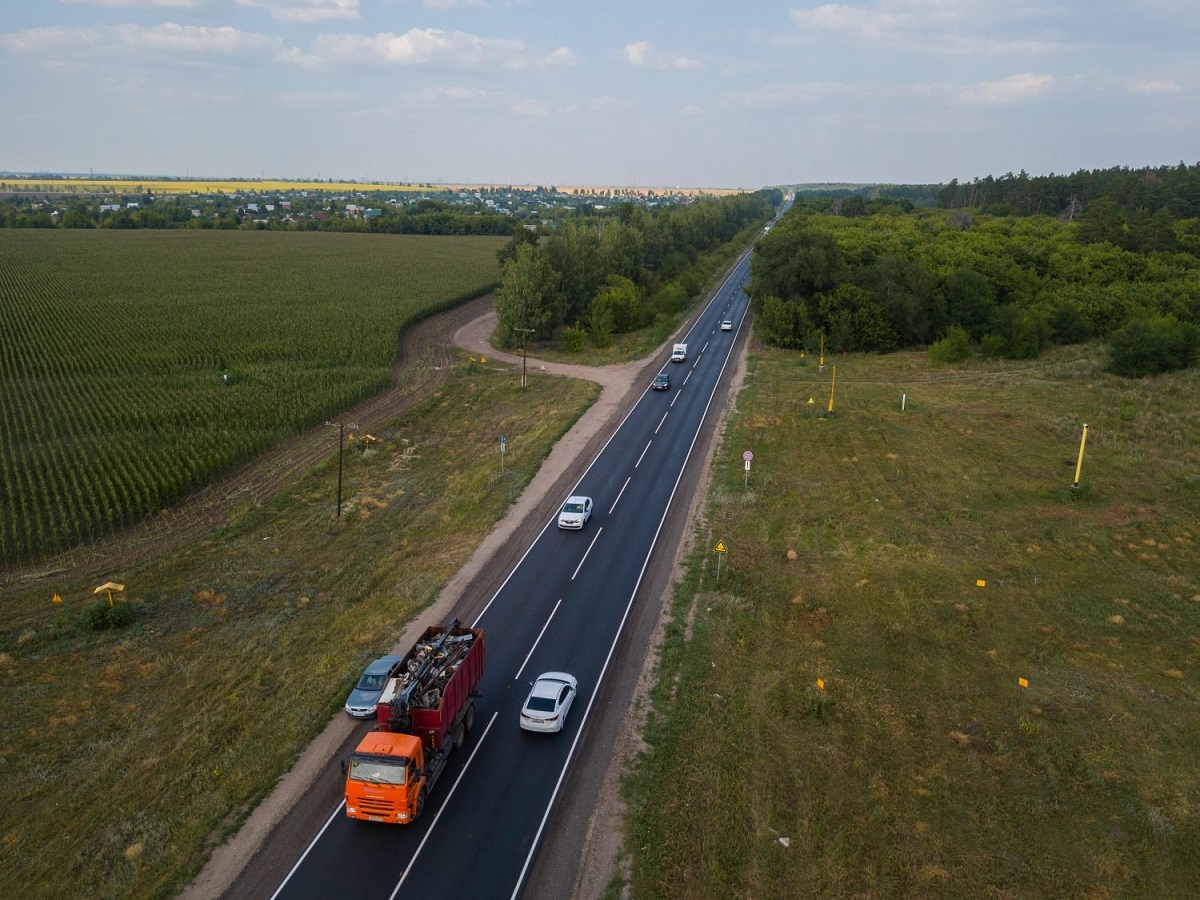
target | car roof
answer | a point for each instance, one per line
(383, 664)
(577, 498)
(548, 684)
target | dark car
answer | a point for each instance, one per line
(661, 382)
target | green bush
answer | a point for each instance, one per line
(954, 347)
(573, 338)
(1150, 346)
(99, 615)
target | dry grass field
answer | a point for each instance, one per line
(930, 668)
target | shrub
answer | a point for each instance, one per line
(1151, 346)
(954, 347)
(573, 338)
(99, 615)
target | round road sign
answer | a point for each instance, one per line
(747, 456)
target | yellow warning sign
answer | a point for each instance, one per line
(720, 548)
(56, 599)
(979, 582)
(820, 684)
(1023, 682)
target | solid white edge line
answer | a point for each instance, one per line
(599, 531)
(621, 627)
(445, 803)
(312, 844)
(538, 639)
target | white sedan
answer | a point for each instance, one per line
(549, 700)
(575, 512)
(727, 325)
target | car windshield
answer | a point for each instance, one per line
(540, 704)
(378, 772)
(371, 682)
(573, 507)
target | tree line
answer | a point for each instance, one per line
(597, 276)
(964, 282)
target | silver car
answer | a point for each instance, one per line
(362, 700)
(575, 512)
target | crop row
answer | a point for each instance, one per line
(135, 367)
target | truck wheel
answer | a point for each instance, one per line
(460, 735)
(420, 804)
(470, 720)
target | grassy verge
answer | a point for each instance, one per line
(923, 767)
(123, 753)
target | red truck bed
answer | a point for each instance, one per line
(452, 675)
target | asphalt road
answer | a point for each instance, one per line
(563, 607)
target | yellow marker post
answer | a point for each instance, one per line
(820, 684)
(821, 364)
(1022, 682)
(979, 582)
(831, 386)
(1079, 465)
(56, 599)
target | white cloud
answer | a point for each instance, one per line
(642, 55)
(1153, 86)
(958, 27)
(307, 12)
(130, 4)
(433, 47)
(1006, 91)
(692, 109)
(788, 94)
(441, 97)
(455, 4)
(608, 103)
(57, 44)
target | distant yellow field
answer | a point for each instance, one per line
(233, 186)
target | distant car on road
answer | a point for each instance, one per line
(727, 325)
(362, 700)
(549, 700)
(661, 382)
(575, 512)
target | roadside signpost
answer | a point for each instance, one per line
(720, 551)
(747, 456)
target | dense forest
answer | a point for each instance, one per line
(596, 277)
(877, 275)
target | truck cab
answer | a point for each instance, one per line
(386, 779)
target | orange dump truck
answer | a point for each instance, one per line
(425, 712)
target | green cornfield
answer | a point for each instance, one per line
(136, 366)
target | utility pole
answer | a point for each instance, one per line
(341, 427)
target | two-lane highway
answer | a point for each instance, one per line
(562, 608)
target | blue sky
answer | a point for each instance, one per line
(694, 94)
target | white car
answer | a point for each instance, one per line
(727, 325)
(549, 700)
(575, 512)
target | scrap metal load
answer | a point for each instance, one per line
(412, 700)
